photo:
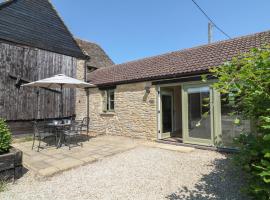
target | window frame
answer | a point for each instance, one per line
(109, 107)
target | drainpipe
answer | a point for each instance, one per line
(88, 112)
(87, 95)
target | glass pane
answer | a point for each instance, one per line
(230, 130)
(112, 95)
(199, 121)
(110, 100)
(166, 113)
(111, 105)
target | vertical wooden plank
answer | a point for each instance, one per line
(32, 64)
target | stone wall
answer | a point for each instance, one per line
(134, 115)
(80, 107)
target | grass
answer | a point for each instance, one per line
(23, 139)
(3, 185)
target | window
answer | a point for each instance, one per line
(110, 100)
(230, 129)
(90, 69)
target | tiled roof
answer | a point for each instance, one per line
(36, 23)
(179, 63)
(98, 57)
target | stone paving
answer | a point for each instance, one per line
(49, 160)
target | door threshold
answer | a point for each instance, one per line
(211, 148)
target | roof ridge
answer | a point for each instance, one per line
(187, 49)
(86, 40)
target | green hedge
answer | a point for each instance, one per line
(5, 137)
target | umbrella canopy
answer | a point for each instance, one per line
(59, 81)
(62, 81)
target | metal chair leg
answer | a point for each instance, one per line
(39, 141)
(69, 141)
(55, 134)
(34, 138)
(55, 139)
(59, 140)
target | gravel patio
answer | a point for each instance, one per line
(141, 173)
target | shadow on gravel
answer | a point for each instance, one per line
(224, 182)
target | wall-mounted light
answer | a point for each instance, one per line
(147, 87)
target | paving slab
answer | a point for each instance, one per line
(49, 171)
(50, 160)
(67, 163)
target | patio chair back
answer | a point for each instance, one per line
(55, 122)
(85, 121)
(41, 131)
(67, 121)
(74, 131)
(39, 127)
(75, 126)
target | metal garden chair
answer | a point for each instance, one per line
(74, 131)
(41, 131)
(84, 123)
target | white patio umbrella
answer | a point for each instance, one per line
(61, 81)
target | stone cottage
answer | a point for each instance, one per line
(163, 97)
(98, 59)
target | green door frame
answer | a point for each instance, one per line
(215, 111)
(186, 138)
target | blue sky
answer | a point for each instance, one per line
(134, 29)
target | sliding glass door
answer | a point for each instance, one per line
(197, 114)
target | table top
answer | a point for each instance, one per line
(58, 125)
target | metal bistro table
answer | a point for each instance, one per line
(59, 128)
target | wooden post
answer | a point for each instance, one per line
(210, 26)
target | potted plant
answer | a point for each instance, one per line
(10, 158)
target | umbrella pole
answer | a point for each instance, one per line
(37, 114)
(62, 103)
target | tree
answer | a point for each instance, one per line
(248, 77)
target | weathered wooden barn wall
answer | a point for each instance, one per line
(32, 64)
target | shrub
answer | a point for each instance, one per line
(5, 137)
(3, 186)
(248, 77)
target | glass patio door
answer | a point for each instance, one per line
(166, 114)
(197, 114)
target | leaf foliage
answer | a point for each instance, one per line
(247, 77)
(5, 137)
